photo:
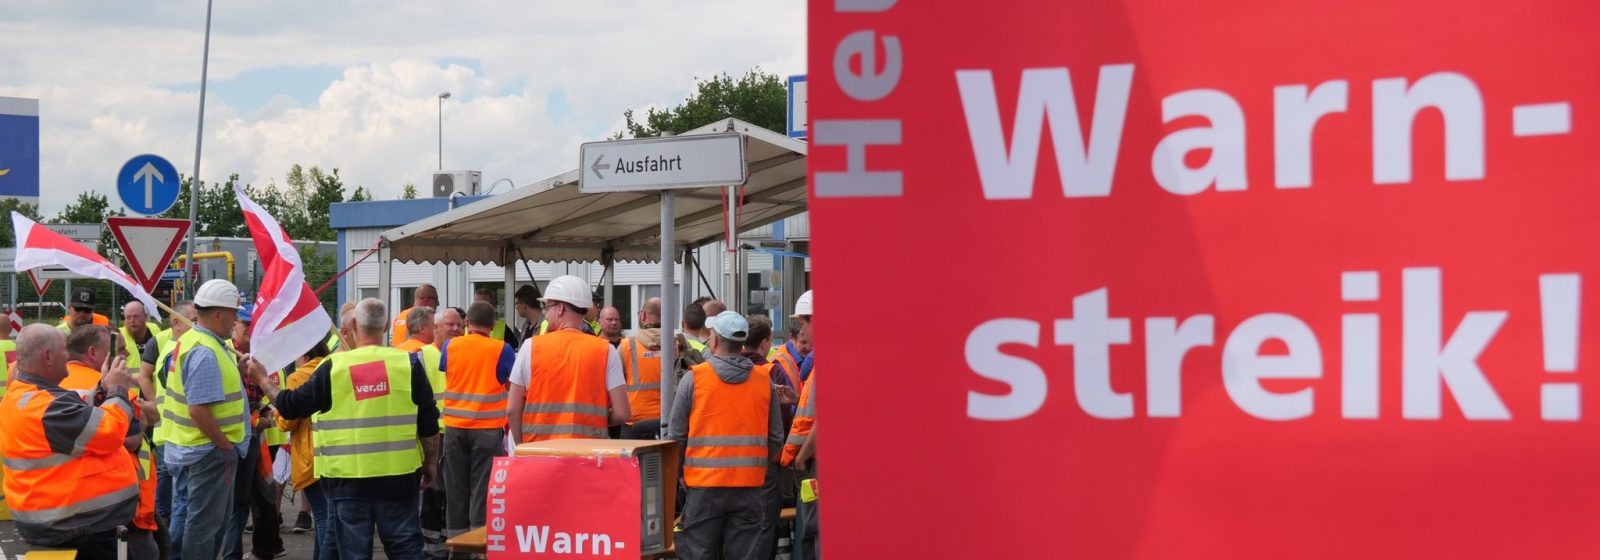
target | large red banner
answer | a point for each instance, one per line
(1231, 279)
(563, 507)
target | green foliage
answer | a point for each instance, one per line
(410, 192)
(758, 98)
(9, 205)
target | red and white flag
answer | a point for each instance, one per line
(288, 317)
(37, 246)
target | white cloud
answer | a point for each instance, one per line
(115, 81)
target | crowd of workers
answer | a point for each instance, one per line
(166, 439)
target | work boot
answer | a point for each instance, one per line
(302, 524)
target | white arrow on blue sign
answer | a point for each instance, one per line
(148, 184)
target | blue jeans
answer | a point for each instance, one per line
(322, 518)
(398, 523)
(244, 482)
(163, 486)
(202, 499)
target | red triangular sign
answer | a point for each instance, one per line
(148, 244)
(40, 287)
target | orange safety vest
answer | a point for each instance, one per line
(804, 418)
(93, 484)
(791, 366)
(398, 333)
(84, 380)
(473, 397)
(566, 396)
(643, 371)
(727, 445)
(144, 465)
(410, 345)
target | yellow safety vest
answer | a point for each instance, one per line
(229, 412)
(8, 354)
(370, 430)
(429, 354)
(135, 349)
(164, 345)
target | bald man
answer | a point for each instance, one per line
(611, 325)
(427, 296)
(714, 307)
(136, 328)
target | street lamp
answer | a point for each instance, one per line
(442, 97)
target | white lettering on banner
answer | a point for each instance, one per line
(871, 83)
(497, 509)
(1046, 95)
(538, 539)
(1433, 360)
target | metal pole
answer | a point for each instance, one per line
(441, 140)
(199, 134)
(669, 310)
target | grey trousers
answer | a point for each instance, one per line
(724, 523)
(467, 458)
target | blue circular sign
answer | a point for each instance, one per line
(148, 184)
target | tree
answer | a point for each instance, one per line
(410, 192)
(9, 205)
(758, 98)
(90, 208)
(361, 195)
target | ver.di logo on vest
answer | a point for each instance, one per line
(370, 380)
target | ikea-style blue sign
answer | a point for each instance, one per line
(148, 184)
(19, 148)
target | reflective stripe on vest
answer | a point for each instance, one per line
(144, 464)
(804, 418)
(370, 428)
(791, 367)
(644, 381)
(229, 412)
(473, 397)
(48, 488)
(727, 446)
(566, 393)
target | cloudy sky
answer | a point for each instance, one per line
(353, 84)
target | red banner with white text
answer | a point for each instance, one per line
(1232, 279)
(563, 507)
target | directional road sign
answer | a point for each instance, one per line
(148, 184)
(653, 164)
(797, 106)
(88, 234)
(148, 244)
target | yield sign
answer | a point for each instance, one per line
(149, 244)
(40, 287)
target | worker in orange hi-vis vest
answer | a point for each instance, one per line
(426, 295)
(69, 478)
(473, 405)
(801, 446)
(726, 414)
(566, 383)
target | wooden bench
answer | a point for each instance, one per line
(476, 540)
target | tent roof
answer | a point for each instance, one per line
(551, 221)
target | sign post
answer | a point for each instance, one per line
(664, 164)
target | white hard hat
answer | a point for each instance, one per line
(568, 289)
(802, 306)
(217, 293)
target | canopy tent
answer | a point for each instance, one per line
(552, 221)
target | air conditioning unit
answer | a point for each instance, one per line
(465, 182)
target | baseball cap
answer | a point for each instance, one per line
(82, 297)
(246, 311)
(730, 325)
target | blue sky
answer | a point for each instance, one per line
(353, 84)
